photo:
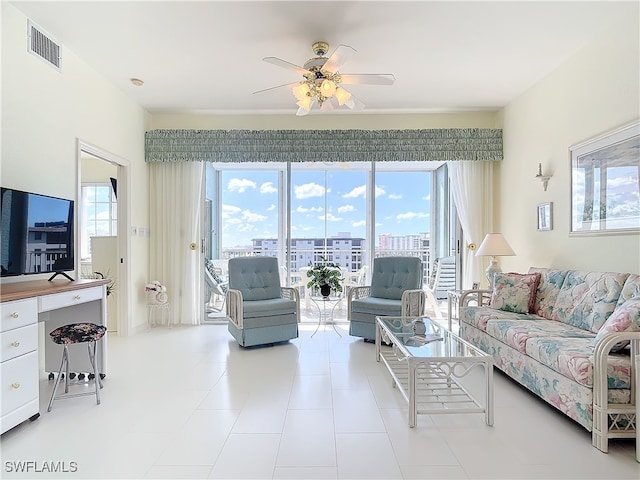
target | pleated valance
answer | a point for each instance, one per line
(450, 144)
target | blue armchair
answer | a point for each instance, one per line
(395, 290)
(260, 311)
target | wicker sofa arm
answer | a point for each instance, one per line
(608, 418)
(234, 307)
(291, 293)
(480, 297)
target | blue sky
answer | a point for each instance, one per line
(334, 200)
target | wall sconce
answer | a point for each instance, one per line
(543, 178)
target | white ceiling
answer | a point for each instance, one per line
(207, 55)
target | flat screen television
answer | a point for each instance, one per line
(36, 234)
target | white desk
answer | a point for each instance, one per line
(22, 306)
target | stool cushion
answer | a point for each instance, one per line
(78, 333)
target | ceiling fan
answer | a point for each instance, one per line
(322, 83)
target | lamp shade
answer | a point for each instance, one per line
(495, 245)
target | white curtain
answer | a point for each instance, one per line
(175, 247)
(472, 187)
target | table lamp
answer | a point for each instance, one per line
(494, 245)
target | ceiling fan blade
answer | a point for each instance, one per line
(288, 65)
(367, 79)
(290, 85)
(327, 105)
(355, 103)
(338, 58)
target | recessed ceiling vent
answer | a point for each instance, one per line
(43, 45)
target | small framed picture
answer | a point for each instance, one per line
(545, 216)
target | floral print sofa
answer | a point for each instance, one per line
(568, 336)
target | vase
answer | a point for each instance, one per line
(325, 290)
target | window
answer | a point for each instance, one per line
(335, 212)
(99, 216)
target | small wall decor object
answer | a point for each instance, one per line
(156, 293)
(605, 183)
(543, 178)
(545, 216)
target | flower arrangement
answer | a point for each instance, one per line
(156, 293)
(325, 277)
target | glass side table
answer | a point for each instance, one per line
(326, 308)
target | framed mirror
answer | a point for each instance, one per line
(605, 183)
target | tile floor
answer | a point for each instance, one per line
(188, 402)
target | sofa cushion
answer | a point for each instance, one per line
(480, 316)
(586, 299)
(573, 358)
(630, 289)
(514, 292)
(548, 288)
(515, 333)
(625, 318)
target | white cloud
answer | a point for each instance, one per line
(395, 196)
(229, 210)
(268, 187)
(411, 215)
(308, 190)
(361, 191)
(346, 208)
(426, 197)
(252, 217)
(330, 217)
(271, 207)
(240, 184)
(361, 223)
(356, 192)
(302, 209)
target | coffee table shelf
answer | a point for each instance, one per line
(428, 376)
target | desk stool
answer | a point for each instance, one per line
(70, 334)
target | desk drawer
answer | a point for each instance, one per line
(68, 299)
(18, 341)
(18, 313)
(19, 382)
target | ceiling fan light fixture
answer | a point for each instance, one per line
(305, 103)
(328, 88)
(342, 96)
(301, 90)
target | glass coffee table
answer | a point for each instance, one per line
(426, 362)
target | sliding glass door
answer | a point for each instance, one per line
(344, 213)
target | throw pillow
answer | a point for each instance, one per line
(514, 292)
(625, 318)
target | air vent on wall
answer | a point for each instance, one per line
(43, 45)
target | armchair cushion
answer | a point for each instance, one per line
(256, 277)
(268, 308)
(376, 306)
(393, 275)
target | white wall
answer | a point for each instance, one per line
(364, 121)
(45, 113)
(597, 90)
